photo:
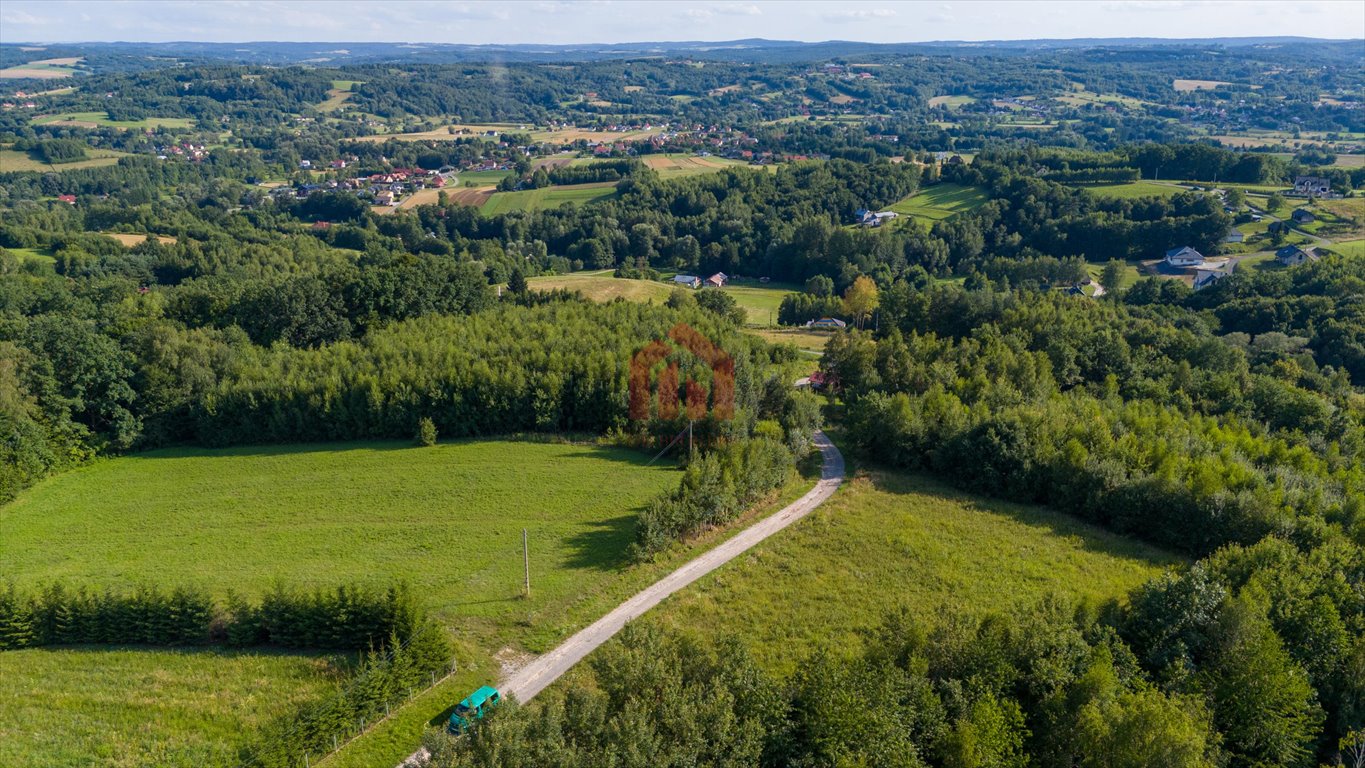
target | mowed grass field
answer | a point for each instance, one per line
(447, 519)
(126, 708)
(1131, 190)
(548, 197)
(941, 201)
(98, 119)
(601, 286)
(890, 538)
(12, 160)
(760, 301)
(672, 166)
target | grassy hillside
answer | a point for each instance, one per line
(72, 707)
(892, 538)
(941, 201)
(547, 197)
(1132, 189)
(447, 519)
(759, 300)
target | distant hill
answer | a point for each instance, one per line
(753, 49)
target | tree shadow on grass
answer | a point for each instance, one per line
(605, 545)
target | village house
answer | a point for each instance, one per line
(718, 280)
(1184, 256)
(1293, 255)
(1311, 185)
(1234, 235)
(826, 322)
(691, 281)
(1303, 216)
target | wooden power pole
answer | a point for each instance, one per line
(526, 561)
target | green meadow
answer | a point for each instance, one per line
(124, 708)
(102, 119)
(941, 201)
(546, 197)
(893, 538)
(447, 519)
(1129, 190)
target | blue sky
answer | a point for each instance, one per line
(597, 21)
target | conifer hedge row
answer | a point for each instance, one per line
(347, 618)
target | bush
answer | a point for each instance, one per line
(426, 432)
(714, 490)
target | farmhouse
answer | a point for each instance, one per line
(68, 199)
(826, 322)
(1303, 216)
(1184, 256)
(719, 279)
(1234, 235)
(1293, 255)
(1311, 185)
(691, 281)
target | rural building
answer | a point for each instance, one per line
(68, 199)
(1184, 256)
(1311, 185)
(691, 281)
(1303, 216)
(1206, 277)
(1293, 255)
(826, 322)
(383, 197)
(717, 280)
(1234, 235)
(305, 164)
(1089, 289)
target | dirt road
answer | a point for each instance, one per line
(536, 676)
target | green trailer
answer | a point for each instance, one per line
(472, 708)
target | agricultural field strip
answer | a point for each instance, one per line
(536, 676)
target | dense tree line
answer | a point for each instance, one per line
(1167, 421)
(347, 618)
(1047, 685)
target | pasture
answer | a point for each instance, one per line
(556, 135)
(128, 240)
(951, 102)
(125, 707)
(675, 165)
(601, 286)
(548, 197)
(941, 201)
(1129, 190)
(12, 160)
(806, 339)
(1197, 85)
(891, 538)
(447, 519)
(760, 301)
(44, 69)
(1352, 249)
(101, 119)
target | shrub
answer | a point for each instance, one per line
(426, 432)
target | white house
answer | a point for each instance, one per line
(691, 281)
(1184, 256)
(826, 322)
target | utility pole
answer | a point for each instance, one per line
(526, 561)
(689, 437)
